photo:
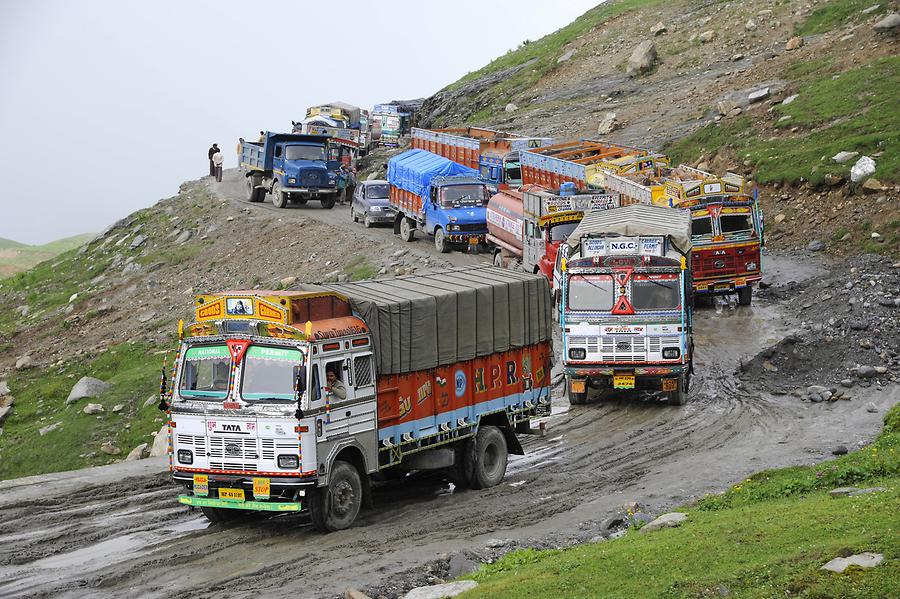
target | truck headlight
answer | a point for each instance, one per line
(185, 456)
(292, 180)
(453, 227)
(578, 353)
(751, 266)
(288, 462)
(671, 353)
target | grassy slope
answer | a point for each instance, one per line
(765, 537)
(9, 243)
(21, 257)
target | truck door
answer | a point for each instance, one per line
(534, 244)
(278, 160)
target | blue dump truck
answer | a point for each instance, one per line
(291, 167)
(438, 197)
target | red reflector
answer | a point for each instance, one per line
(172, 423)
(231, 405)
(301, 429)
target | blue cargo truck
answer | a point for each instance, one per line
(439, 197)
(291, 167)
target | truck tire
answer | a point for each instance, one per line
(458, 473)
(498, 259)
(218, 515)
(328, 202)
(279, 198)
(576, 399)
(745, 296)
(254, 194)
(440, 241)
(335, 506)
(678, 397)
(407, 230)
(488, 461)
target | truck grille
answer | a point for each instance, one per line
(271, 447)
(474, 227)
(197, 442)
(232, 453)
(619, 349)
(312, 179)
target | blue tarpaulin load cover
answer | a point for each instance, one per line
(413, 170)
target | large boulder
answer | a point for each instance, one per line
(642, 59)
(86, 387)
(441, 591)
(665, 521)
(160, 445)
(23, 362)
(136, 453)
(4, 388)
(608, 124)
(889, 23)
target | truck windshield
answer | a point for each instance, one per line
(205, 372)
(270, 373)
(377, 192)
(304, 153)
(513, 172)
(701, 225)
(561, 231)
(456, 196)
(655, 293)
(735, 223)
(590, 292)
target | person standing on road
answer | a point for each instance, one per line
(351, 182)
(212, 167)
(217, 160)
(342, 180)
(240, 150)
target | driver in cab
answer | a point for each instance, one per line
(335, 385)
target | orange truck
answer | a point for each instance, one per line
(495, 154)
(726, 223)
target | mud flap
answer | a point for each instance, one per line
(512, 442)
(368, 502)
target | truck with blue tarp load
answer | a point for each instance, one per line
(439, 197)
(289, 166)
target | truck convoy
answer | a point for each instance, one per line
(727, 225)
(626, 303)
(285, 401)
(439, 197)
(493, 153)
(289, 166)
(527, 225)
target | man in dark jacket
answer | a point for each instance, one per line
(212, 167)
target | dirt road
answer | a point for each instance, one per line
(118, 531)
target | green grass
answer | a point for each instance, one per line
(133, 372)
(19, 256)
(837, 13)
(358, 268)
(855, 112)
(765, 537)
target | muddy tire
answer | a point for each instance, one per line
(440, 241)
(353, 216)
(407, 231)
(458, 473)
(218, 515)
(279, 198)
(335, 507)
(576, 399)
(367, 221)
(489, 459)
(328, 202)
(679, 396)
(254, 194)
(745, 296)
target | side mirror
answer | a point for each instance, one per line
(301, 380)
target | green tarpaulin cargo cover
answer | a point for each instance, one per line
(423, 321)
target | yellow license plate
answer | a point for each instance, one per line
(261, 488)
(578, 386)
(670, 385)
(201, 485)
(232, 494)
(723, 286)
(702, 286)
(623, 381)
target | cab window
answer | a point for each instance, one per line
(701, 225)
(205, 372)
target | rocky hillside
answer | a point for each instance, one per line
(16, 257)
(792, 94)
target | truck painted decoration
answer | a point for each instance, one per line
(292, 401)
(389, 123)
(584, 163)
(527, 226)
(438, 197)
(289, 166)
(727, 224)
(625, 309)
(494, 154)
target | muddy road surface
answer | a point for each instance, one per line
(118, 531)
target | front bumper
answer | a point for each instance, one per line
(310, 190)
(603, 370)
(464, 237)
(263, 506)
(381, 217)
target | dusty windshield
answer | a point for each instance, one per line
(735, 223)
(701, 225)
(561, 231)
(304, 153)
(205, 372)
(377, 192)
(270, 373)
(590, 292)
(514, 172)
(456, 196)
(655, 293)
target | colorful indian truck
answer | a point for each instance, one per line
(625, 310)
(727, 225)
(584, 162)
(388, 124)
(438, 197)
(289, 166)
(493, 153)
(527, 225)
(288, 401)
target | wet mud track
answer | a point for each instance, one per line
(120, 532)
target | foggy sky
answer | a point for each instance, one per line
(106, 107)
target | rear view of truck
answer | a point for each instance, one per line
(583, 163)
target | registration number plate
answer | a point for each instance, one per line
(623, 381)
(201, 485)
(670, 385)
(261, 488)
(723, 286)
(473, 241)
(232, 494)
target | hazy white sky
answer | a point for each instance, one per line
(107, 106)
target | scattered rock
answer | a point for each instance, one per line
(707, 36)
(816, 245)
(888, 23)
(839, 450)
(86, 387)
(93, 408)
(750, 25)
(759, 95)
(725, 107)
(23, 362)
(355, 594)
(511, 107)
(842, 157)
(137, 453)
(138, 241)
(866, 372)
(118, 408)
(441, 591)
(4, 388)
(833, 180)
(873, 185)
(288, 281)
(73, 297)
(769, 367)
(565, 57)
(109, 448)
(875, 235)
(871, 408)
(184, 236)
(794, 43)
(150, 401)
(864, 168)
(862, 560)
(789, 99)
(49, 428)
(494, 543)
(779, 218)
(669, 520)
(4, 412)
(642, 59)
(461, 564)
(146, 316)
(608, 124)
(658, 29)
(160, 445)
